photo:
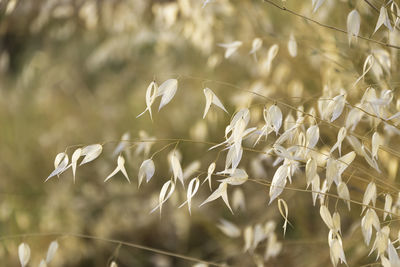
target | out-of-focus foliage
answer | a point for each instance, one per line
(75, 72)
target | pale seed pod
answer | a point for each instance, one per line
(147, 169)
(221, 192)
(229, 228)
(90, 152)
(24, 254)
(315, 186)
(369, 220)
(383, 20)
(388, 206)
(326, 217)
(377, 141)
(353, 25)
(248, 235)
(120, 168)
(336, 222)
(292, 46)
(53, 247)
(167, 91)
(230, 48)
(311, 170)
(344, 193)
(211, 98)
(369, 195)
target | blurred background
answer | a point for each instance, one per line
(75, 72)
